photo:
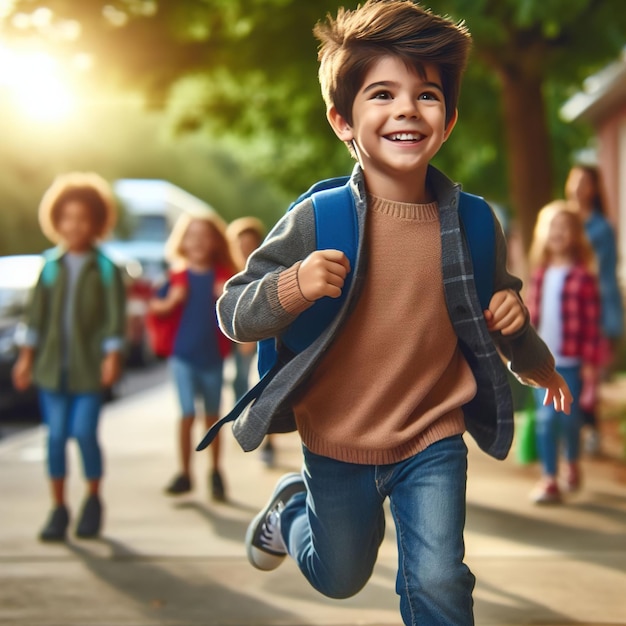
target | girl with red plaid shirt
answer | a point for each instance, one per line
(564, 306)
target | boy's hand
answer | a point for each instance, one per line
(22, 370)
(111, 368)
(323, 273)
(506, 312)
(558, 393)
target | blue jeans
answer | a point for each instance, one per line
(334, 530)
(243, 363)
(554, 428)
(72, 415)
(191, 381)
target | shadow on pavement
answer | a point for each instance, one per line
(165, 594)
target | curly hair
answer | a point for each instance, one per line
(87, 188)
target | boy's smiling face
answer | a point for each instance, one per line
(398, 125)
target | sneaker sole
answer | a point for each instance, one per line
(261, 559)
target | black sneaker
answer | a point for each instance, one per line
(90, 518)
(56, 526)
(264, 543)
(218, 492)
(180, 484)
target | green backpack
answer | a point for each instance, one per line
(50, 270)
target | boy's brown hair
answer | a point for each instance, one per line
(85, 187)
(353, 41)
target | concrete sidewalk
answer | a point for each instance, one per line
(181, 562)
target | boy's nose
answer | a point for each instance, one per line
(406, 107)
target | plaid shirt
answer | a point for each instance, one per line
(580, 310)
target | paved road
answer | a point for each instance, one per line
(167, 562)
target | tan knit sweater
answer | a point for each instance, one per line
(394, 379)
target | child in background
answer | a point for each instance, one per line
(201, 263)
(583, 186)
(73, 336)
(245, 235)
(564, 306)
(382, 398)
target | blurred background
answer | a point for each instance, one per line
(217, 101)
(221, 98)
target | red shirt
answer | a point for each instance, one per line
(580, 310)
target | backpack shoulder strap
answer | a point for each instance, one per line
(50, 269)
(322, 185)
(335, 228)
(106, 268)
(477, 221)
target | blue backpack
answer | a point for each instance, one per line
(336, 228)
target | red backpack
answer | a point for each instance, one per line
(162, 329)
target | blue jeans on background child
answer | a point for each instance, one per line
(243, 363)
(72, 415)
(334, 529)
(191, 381)
(554, 427)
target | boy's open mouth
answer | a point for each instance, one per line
(404, 137)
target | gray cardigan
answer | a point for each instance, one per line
(249, 310)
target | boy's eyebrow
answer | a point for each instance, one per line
(390, 83)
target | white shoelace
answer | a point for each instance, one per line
(271, 537)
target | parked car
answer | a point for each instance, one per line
(18, 276)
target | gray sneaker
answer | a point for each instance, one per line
(264, 542)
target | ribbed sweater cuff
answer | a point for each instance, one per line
(289, 293)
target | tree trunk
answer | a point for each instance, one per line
(528, 146)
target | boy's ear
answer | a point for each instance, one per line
(339, 124)
(451, 125)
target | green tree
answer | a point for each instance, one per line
(245, 72)
(118, 139)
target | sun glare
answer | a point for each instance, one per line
(36, 84)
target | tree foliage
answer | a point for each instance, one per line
(118, 140)
(245, 73)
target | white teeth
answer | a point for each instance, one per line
(403, 137)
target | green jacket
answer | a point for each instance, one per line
(99, 316)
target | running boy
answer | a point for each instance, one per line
(382, 398)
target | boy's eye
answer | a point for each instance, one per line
(383, 94)
(429, 95)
